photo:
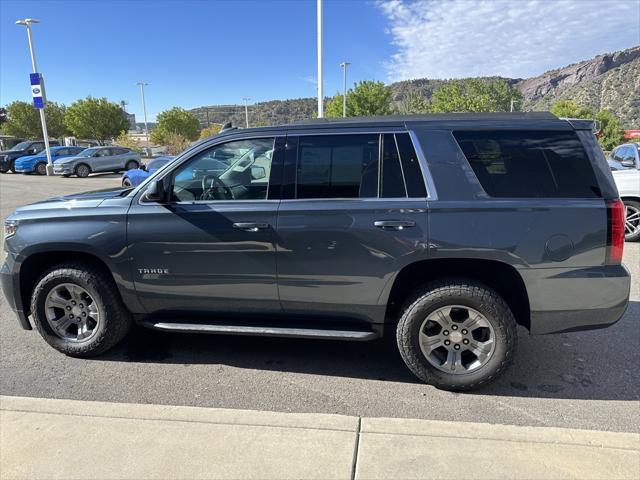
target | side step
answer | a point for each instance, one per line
(261, 330)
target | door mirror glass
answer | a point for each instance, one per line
(628, 162)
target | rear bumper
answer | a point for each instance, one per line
(11, 288)
(565, 300)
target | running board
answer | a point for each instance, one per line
(319, 333)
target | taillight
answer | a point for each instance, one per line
(615, 231)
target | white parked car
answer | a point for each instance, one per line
(625, 165)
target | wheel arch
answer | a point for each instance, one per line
(500, 276)
(36, 264)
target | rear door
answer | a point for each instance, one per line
(349, 220)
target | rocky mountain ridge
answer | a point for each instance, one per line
(610, 80)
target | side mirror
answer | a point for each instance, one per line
(628, 162)
(258, 173)
(155, 192)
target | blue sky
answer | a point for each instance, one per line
(214, 52)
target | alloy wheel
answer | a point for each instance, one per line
(632, 220)
(72, 313)
(457, 339)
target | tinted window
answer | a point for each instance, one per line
(529, 163)
(392, 178)
(337, 166)
(232, 171)
(411, 168)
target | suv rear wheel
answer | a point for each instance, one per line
(78, 310)
(131, 164)
(456, 334)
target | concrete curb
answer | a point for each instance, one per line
(46, 438)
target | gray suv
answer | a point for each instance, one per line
(97, 159)
(444, 231)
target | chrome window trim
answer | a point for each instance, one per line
(432, 193)
(357, 199)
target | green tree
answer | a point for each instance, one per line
(611, 134)
(412, 102)
(23, 120)
(175, 143)
(366, 98)
(475, 95)
(96, 118)
(176, 120)
(210, 131)
(570, 109)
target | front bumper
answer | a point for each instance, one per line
(10, 282)
(22, 169)
(565, 300)
(62, 169)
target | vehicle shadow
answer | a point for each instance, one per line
(594, 365)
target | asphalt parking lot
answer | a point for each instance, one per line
(581, 380)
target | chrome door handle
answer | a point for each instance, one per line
(250, 226)
(394, 224)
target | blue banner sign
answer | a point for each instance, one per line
(37, 90)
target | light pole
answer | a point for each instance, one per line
(144, 109)
(27, 23)
(320, 86)
(344, 66)
(246, 111)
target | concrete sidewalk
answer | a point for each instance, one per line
(44, 438)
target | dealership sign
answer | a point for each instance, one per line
(37, 90)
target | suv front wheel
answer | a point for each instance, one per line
(456, 334)
(78, 311)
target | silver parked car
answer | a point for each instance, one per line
(97, 159)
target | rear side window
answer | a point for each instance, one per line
(337, 166)
(511, 163)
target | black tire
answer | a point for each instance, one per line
(463, 292)
(126, 182)
(632, 208)
(40, 168)
(115, 320)
(83, 170)
(131, 165)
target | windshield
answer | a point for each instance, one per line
(20, 146)
(88, 152)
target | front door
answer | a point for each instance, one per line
(211, 248)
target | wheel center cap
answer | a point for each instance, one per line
(77, 311)
(456, 337)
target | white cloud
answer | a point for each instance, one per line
(511, 38)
